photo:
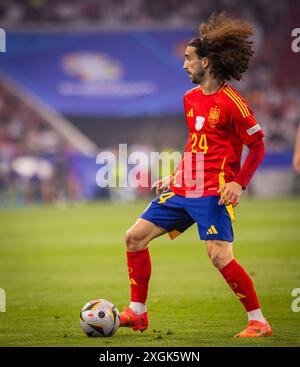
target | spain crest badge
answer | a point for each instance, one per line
(214, 116)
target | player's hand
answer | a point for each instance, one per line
(163, 184)
(230, 193)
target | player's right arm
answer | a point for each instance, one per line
(163, 184)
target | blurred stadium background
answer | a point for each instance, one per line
(80, 77)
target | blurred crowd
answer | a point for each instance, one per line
(37, 164)
(34, 158)
(278, 113)
(137, 12)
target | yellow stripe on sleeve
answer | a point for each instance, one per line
(238, 98)
(238, 102)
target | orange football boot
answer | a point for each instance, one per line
(129, 318)
(255, 329)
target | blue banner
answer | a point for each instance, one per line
(101, 73)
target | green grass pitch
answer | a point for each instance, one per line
(52, 261)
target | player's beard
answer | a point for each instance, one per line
(197, 78)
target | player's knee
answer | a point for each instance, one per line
(219, 252)
(218, 259)
(135, 241)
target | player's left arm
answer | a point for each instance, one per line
(251, 134)
(231, 191)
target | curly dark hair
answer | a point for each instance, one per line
(224, 41)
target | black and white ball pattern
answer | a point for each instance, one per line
(99, 318)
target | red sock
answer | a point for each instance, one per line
(139, 271)
(242, 285)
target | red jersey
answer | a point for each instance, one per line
(219, 125)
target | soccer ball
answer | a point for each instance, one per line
(99, 318)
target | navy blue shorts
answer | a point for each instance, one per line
(177, 213)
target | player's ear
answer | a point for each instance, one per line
(205, 62)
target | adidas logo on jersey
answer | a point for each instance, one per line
(190, 113)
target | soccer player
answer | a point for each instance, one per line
(209, 181)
